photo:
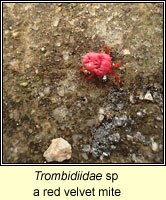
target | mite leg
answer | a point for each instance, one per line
(117, 78)
(117, 64)
(91, 75)
(108, 49)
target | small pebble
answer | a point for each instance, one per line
(132, 98)
(126, 52)
(113, 147)
(76, 138)
(134, 19)
(60, 113)
(139, 114)
(141, 96)
(105, 154)
(24, 84)
(101, 117)
(120, 121)
(139, 137)
(158, 118)
(16, 115)
(61, 91)
(6, 32)
(101, 111)
(129, 137)
(46, 90)
(15, 34)
(148, 96)
(65, 55)
(41, 94)
(59, 150)
(56, 21)
(115, 137)
(91, 122)
(154, 146)
(58, 44)
(104, 78)
(43, 49)
(86, 148)
(84, 156)
(120, 106)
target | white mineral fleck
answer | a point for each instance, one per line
(59, 150)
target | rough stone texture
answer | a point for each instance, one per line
(59, 150)
(45, 96)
